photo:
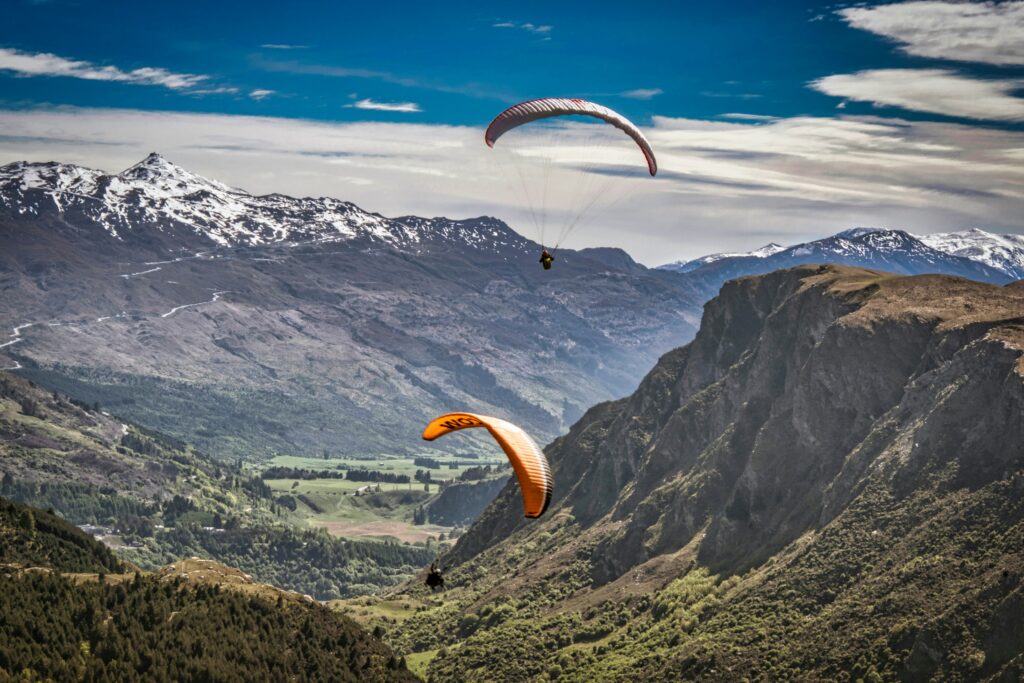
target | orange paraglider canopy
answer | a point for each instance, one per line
(528, 461)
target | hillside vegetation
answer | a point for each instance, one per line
(192, 621)
(827, 484)
(30, 537)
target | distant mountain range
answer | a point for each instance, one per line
(688, 266)
(973, 254)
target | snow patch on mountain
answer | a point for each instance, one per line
(1002, 252)
(686, 266)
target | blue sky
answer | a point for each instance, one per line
(755, 91)
(459, 62)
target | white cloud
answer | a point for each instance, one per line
(367, 103)
(936, 91)
(260, 93)
(46, 64)
(642, 93)
(747, 117)
(331, 71)
(214, 91)
(736, 95)
(722, 185)
(988, 32)
(283, 46)
(529, 27)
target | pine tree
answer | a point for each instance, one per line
(28, 522)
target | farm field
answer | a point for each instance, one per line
(403, 531)
(365, 509)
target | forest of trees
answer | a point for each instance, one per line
(145, 629)
(81, 503)
(429, 463)
(298, 473)
(281, 472)
(30, 537)
(375, 476)
(475, 473)
(111, 623)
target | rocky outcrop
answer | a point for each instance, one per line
(461, 502)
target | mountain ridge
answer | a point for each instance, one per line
(973, 253)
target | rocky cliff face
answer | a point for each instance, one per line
(798, 383)
(818, 436)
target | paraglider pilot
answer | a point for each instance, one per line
(546, 259)
(434, 578)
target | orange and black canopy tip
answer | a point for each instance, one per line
(527, 459)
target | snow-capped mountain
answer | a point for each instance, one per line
(258, 324)
(973, 254)
(687, 266)
(1002, 252)
(157, 194)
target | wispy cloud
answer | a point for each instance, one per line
(295, 67)
(46, 64)
(642, 93)
(987, 32)
(283, 46)
(335, 71)
(537, 29)
(261, 93)
(367, 103)
(224, 90)
(747, 117)
(726, 95)
(936, 91)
